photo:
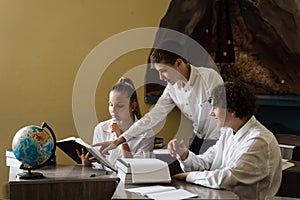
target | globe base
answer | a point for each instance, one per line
(30, 175)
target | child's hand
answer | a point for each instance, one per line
(176, 147)
(86, 159)
(115, 128)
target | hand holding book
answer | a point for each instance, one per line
(71, 144)
(85, 156)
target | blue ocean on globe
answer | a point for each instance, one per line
(32, 146)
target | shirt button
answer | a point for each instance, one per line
(186, 104)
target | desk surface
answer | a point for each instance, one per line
(289, 186)
(63, 182)
(203, 192)
(65, 173)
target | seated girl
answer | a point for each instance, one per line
(124, 111)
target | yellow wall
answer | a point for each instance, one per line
(43, 44)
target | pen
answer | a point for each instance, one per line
(180, 143)
(99, 174)
(182, 140)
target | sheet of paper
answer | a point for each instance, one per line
(286, 164)
(172, 194)
(163, 192)
(161, 151)
(151, 189)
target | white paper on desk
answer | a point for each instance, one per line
(161, 151)
(151, 189)
(149, 170)
(163, 192)
(172, 194)
(286, 164)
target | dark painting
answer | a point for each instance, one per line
(257, 42)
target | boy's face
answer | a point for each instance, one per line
(169, 72)
(218, 113)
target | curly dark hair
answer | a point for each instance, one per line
(236, 97)
(168, 52)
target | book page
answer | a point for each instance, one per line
(98, 155)
(101, 158)
(161, 151)
(71, 144)
(151, 189)
(162, 192)
(83, 143)
(172, 194)
(286, 164)
(148, 170)
(67, 139)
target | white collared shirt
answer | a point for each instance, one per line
(137, 145)
(191, 98)
(248, 163)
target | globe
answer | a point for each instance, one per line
(33, 146)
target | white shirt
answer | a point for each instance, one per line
(137, 145)
(191, 98)
(248, 163)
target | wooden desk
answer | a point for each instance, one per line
(290, 182)
(203, 192)
(63, 182)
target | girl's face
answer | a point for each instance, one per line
(119, 106)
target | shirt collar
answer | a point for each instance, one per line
(244, 129)
(193, 75)
(191, 81)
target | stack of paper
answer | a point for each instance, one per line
(11, 160)
(286, 164)
(163, 192)
(143, 170)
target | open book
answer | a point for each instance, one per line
(70, 144)
(286, 164)
(143, 170)
(162, 192)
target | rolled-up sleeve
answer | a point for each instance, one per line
(248, 168)
(158, 113)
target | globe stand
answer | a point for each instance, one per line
(30, 175)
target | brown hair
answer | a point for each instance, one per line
(126, 86)
(236, 97)
(168, 52)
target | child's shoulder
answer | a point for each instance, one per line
(104, 125)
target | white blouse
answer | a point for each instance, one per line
(137, 145)
(248, 163)
(191, 98)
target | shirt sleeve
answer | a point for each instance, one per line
(145, 143)
(249, 168)
(213, 79)
(159, 112)
(206, 125)
(98, 134)
(198, 162)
